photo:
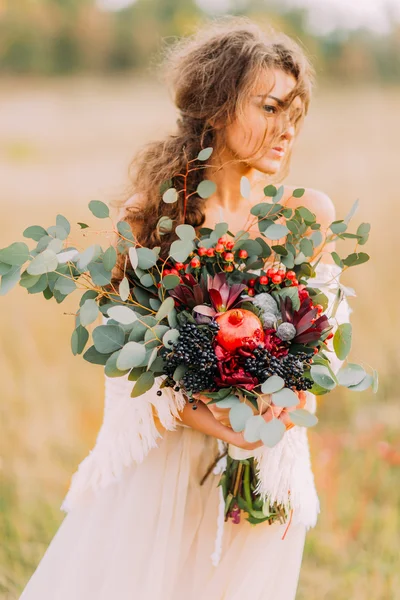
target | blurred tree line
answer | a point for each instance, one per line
(51, 37)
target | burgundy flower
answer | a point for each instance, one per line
(274, 344)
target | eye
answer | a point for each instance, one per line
(266, 108)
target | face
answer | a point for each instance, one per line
(266, 132)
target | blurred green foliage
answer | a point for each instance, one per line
(51, 37)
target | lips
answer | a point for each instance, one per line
(279, 148)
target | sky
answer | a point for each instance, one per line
(324, 16)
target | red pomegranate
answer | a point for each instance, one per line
(238, 327)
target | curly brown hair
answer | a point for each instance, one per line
(212, 74)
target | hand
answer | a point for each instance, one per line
(237, 439)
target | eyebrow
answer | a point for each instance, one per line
(280, 102)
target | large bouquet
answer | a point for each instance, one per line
(223, 318)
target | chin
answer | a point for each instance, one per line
(267, 166)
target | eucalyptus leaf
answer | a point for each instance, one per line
(170, 196)
(185, 232)
(10, 279)
(276, 231)
(164, 225)
(34, 232)
(238, 415)
(44, 262)
(363, 385)
(122, 314)
(272, 384)
(170, 281)
(57, 232)
(88, 255)
(272, 432)
(147, 258)
(95, 357)
(79, 339)
(100, 276)
(342, 340)
(170, 338)
(108, 338)
(124, 289)
(322, 376)
(15, 255)
(111, 369)
(206, 188)
(143, 384)
(303, 418)
(131, 355)
(65, 286)
(205, 153)
(109, 258)
(165, 308)
(88, 312)
(99, 209)
(350, 374)
(252, 429)
(180, 250)
(228, 402)
(285, 397)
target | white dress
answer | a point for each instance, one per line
(139, 526)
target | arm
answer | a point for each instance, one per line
(203, 420)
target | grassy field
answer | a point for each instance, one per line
(67, 142)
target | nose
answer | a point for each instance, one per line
(288, 129)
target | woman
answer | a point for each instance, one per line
(139, 524)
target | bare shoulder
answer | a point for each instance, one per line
(316, 201)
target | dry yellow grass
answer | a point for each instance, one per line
(67, 142)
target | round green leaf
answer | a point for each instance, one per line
(65, 286)
(342, 340)
(285, 397)
(170, 196)
(322, 376)
(252, 429)
(205, 153)
(56, 245)
(185, 232)
(164, 225)
(108, 338)
(143, 384)
(338, 226)
(79, 339)
(45, 262)
(99, 209)
(228, 402)
(170, 281)
(272, 432)
(270, 190)
(276, 231)
(124, 289)
(298, 192)
(111, 369)
(87, 256)
(351, 374)
(96, 358)
(180, 250)
(35, 232)
(170, 338)
(165, 308)
(238, 415)
(16, 254)
(64, 223)
(272, 384)
(363, 385)
(303, 417)
(28, 281)
(57, 232)
(131, 355)
(9, 280)
(146, 280)
(122, 314)
(146, 258)
(88, 312)
(109, 258)
(206, 188)
(98, 273)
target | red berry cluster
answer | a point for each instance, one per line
(222, 251)
(272, 277)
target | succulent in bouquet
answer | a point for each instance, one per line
(221, 317)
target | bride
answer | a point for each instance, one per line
(139, 524)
